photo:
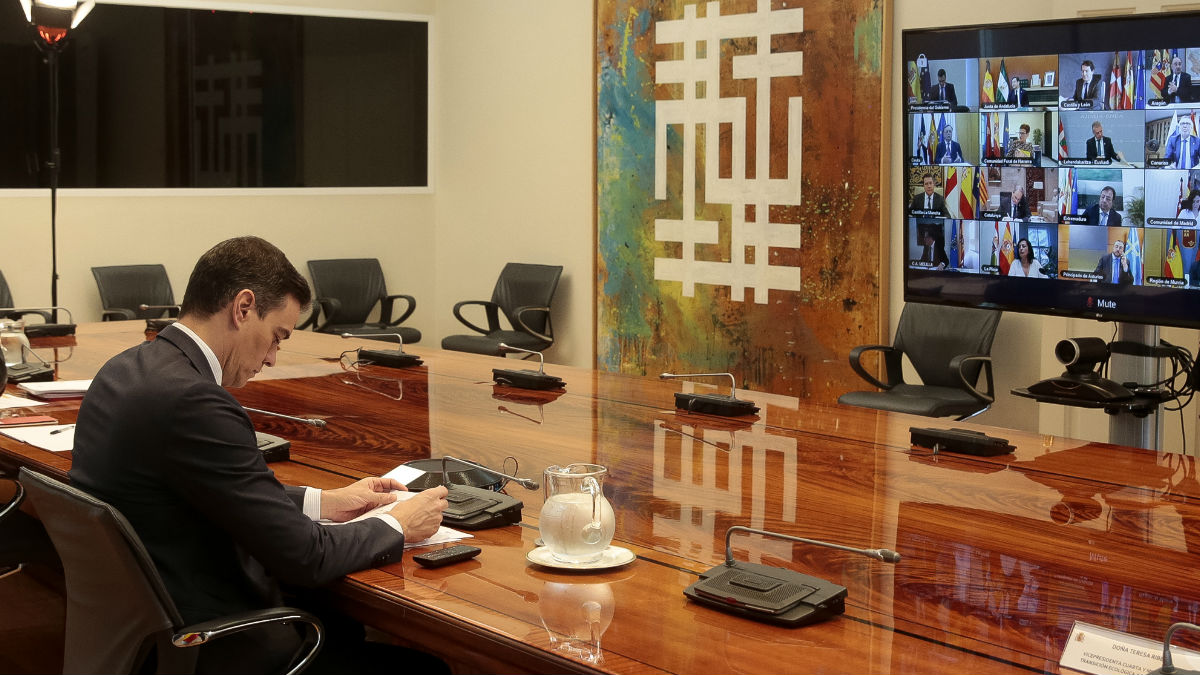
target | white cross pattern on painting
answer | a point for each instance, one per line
(700, 68)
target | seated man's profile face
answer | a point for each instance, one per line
(257, 341)
(1098, 130)
(1087, 72)
(1106, 199)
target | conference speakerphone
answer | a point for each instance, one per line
(962, 441)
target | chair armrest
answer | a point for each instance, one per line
(330, 306)
(117, 314)
(891, 359)
(385, 308)
(521, 310)
(960, 362)
(22, 313)
(17, 498)
(493, 315)
(201, 633)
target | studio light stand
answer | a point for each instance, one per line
(53, 19)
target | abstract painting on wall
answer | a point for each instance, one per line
(738, 164)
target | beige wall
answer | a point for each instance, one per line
(512, 160)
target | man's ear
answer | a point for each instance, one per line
(242, 306)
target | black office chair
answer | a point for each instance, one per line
(346, 290)
(523, 292)
(125, 288)
(948, 347)
(119, 614)
(6, 300)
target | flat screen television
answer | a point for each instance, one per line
(1054, 167)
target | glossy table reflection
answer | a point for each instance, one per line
(1000, 555)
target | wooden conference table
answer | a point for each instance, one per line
(1000, 555)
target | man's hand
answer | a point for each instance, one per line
(421, 515)
(348, 502)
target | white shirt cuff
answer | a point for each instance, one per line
(395, 524)
(312, 503)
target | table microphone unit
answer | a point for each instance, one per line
(39, 330)
(1168, 665)
(472, 508)
(386, 357)
(712, 404)
(156, 325)
(274, 448)
(773, 594)
(526, 379)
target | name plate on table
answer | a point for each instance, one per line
(1103, 651)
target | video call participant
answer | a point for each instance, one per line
(927, 199)
(1016, 95)
(970, 257)
(161, 439)
(1088, 87)
(1025, 264)
(1100, 146)
(942, 91)
(1179, 84)
(1021, 147)
(1189, 207)
(1115, 266)
(948, 149)
(1183, 149)
(934, 250)
(1102, 213)
(1015, 206)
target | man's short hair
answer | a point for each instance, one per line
(1089, 64)
(243, 263)
(1109, 188)
(941, 72)
(1097, 124)
(930, 177)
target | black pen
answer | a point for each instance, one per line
(62, 429)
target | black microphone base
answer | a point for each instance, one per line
(526, 379)
(155, 325)
(768, 594)
(714, 404)
(389, 358)
(473, 508)
(30, 372)
(40, 330)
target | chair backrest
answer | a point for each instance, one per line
(6, 298)
(356, 283)
(128, 286)
(527, 285)
(932, 335)
(117, 606)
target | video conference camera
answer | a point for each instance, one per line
(1081, 383)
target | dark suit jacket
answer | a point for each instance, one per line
(1174, 145)
(1090, 92)
(175, 453)
(1184, 94)
(1093, 151)
(955, 153)
(1093, 216)
(1020, 98)
(939, 203)
(1105, 267)
(1022, 208)
(934, 94)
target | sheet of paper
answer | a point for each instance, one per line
(10, 401)
(404, 473)
(56, 389)
(56, 438)
(442, 536)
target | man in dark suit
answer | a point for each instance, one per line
(942, 91)
(1100, 146)
(1088, 87)
(160, 438)
(1016, 95)
(1015, 206)
(1102, 213)
(928, 200)
(1179, 84)
(948, 149)
(1183, 149)
(1114, 267)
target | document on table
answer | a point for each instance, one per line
(9, 401)
(56, 389)
(56, 438)
(442, 536)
